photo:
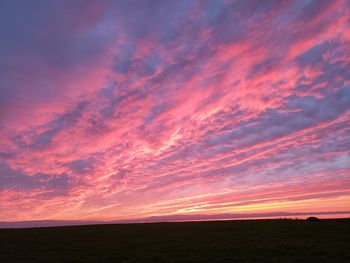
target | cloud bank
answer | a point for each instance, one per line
(116, 110)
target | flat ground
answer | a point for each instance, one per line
(225, 241)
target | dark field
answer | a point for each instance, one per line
(225, 241)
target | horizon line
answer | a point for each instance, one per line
(167, 219)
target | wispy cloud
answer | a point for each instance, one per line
(130, 109)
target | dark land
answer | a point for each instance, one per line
(220, 241)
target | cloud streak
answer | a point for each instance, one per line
(119, 110)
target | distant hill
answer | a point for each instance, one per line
(45, 223)
(169, 218)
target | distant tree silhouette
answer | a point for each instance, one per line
(313, 219)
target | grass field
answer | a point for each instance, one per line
(223, 241)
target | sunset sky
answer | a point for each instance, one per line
(125, 110)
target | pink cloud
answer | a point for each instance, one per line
(132, 112)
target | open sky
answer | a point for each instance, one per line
(118, 110)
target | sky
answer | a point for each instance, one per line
(125, 110)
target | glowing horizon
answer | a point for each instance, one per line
(116, 110)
